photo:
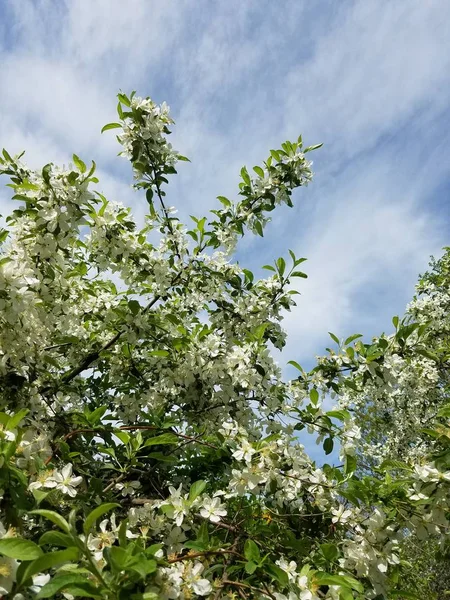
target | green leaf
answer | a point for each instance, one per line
(311, 148)
(40, 495)
(343, 580)
(54, 517)
(328, 445)
(196, 489)
(330, 551)
(122, 534)
(7, 155)
(314, 396)
(299, 274)
(123, 436)
(97, 513)
(245, 176)
(19, 548)
(444, 411)
(159, 353)
(224, 201)
(96, 415)
(134, 307)
(56, 538)
(345, 594)
(119, 558)
(259, 229)
(164, 438)
(350, 464)
(250, 567)
(165, 458)
(111, 126)
(296, 365)
(47, 561)
(260, 370)
(352, 338)
(85, 590)
(15, 419)
(259, 171)
(276, 573)
(61, 582)
(251, 551)
(80, 165)
(342, 415)
(275, 155)
(46, 173)
(153, 549)
(281, 264)
(144, 567)
(394, 464)
(350, 384)
(124, 99)
(333, 337)
(146, 596)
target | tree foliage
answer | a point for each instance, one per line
(149, 445)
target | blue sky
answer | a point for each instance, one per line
(369, 79)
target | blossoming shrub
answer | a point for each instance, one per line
(149, 446)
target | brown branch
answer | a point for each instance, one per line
(140, 427)
(131, 428)
(141, 501)
(113, 483)
(226, 564)
(205, 553)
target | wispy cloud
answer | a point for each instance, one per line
(369, 79)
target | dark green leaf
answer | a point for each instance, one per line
(328, 445)
(134, 307)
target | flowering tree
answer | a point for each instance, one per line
(393, 413)
(149, 446)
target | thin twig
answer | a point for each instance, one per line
(139, 427)
(246, 586)
(205, 553)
